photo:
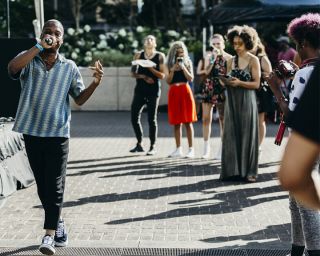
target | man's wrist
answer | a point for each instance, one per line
(39, 46)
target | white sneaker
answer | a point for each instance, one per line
(177, 153)
(47, 245)
(190, 153)
(206, 150)
(219, 153)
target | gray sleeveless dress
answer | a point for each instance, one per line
(240, 140)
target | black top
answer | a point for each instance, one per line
(305, 119)
(179, 77)
(142, 86)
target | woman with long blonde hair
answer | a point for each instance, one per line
(181, 104)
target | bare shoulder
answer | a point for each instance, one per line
(162, 55)
(137, 55)
(253, 59)
(227, 56)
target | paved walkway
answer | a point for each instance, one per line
(118, 199)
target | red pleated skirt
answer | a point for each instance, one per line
(181, 104)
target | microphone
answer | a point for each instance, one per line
(48, 41)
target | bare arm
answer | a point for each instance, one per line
(170, 73)
(21, 61)
(86, 93)
(295, 170)
(208, 64)
(200, 70)
(133, 74)
(188, 71)
(265, 66)
(160, 74)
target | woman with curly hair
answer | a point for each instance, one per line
(181, 104)
(240, 140)
(305, 222)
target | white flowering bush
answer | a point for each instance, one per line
(116, 48)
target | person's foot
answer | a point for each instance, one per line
(190, 153)
(177, 153)
(251, 179)
(152, 151)
(47, 245)
(137, 148)
(206, 150)
(61, 236)
(219, 153)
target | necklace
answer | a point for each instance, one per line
(149, 56)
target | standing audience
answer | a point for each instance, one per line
(240, 136)
(147, 92)
(181, 104)
(213, 90)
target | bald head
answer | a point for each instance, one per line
(53, 22)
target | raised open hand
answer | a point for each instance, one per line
(98, 72)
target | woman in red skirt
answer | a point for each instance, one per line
(181, 104)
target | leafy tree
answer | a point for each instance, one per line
(20, 26)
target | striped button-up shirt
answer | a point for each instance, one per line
(44, 107)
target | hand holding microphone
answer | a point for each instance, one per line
(48, 41)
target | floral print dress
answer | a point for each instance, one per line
(212, 91)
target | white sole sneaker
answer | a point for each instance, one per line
(47, 249)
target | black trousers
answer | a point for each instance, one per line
(138, 103)
(48, 160)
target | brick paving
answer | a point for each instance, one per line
(117, 199)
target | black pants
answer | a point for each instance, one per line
(136, 109)
(48, 160)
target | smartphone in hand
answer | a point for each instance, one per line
(225, 78)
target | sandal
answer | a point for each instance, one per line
(251, 179)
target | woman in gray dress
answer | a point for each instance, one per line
(240, 137)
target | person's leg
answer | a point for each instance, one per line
(48, 160)
(262, 127)
(152, 106)
(190, 136)
(297, 237)
(206, 120)
(137, 105)
(177, 135)
(311, 229)
(56, 157)
(36, 160)
(206, 128)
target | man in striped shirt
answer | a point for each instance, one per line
(43, 117)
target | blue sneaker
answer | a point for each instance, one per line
(47, 245)
(61, 236)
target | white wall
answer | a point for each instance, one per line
(115, 91)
